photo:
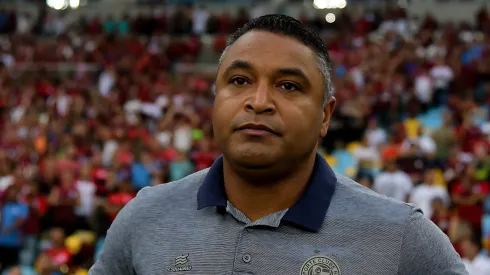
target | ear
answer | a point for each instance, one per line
(327, 114)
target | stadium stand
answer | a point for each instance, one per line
(93, 110)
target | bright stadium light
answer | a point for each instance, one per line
(65, 5)
(330, 17)
(74, 4)
(56, 4)
(329, 4)
(342, 4)
(320, 4)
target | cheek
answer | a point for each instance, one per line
(303, 125)
(216, 123)
(222, 115)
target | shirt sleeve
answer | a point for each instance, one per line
(427, 250)
(116, 255)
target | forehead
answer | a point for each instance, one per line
(268, 50)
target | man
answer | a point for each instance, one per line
(393, 182)
(271, 204)
(13, 215)
(476, 263)
(424, 194)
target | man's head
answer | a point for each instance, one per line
(57, 236)
(471, 247)
(429, 177)
(273, 94)
(391, 165)
(294, 29)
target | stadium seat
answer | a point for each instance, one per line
(345, 160)
(350, 172)
(24, 270)
(486, 233)
(486, 225)
(433, 119)
(351, 147)
(332, 161)
(98, 247)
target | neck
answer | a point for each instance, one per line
(257, 198)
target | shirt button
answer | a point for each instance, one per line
(247, 258)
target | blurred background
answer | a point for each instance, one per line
(100, 98)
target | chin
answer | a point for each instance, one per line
(252, 158)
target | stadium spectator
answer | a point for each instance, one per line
(467, 196)
(475, 263)
(427, 193)
(103, 108)
(14, 215)
(393, 182)
(59, 254)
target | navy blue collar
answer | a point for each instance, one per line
(308, 212)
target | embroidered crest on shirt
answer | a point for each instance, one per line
(320, 265)
(181, 264)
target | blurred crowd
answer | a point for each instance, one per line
(95, 110)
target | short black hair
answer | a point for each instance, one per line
(290, 27)
(475, 240)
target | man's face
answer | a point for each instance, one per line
(429, 177)
(469, 250)
(269, 81)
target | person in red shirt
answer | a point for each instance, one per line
(123, 154)
(219, 43)
(44, 88)
(469, 135)
(204, 157)
(117, 200)
(441, 215)
(62, 202)
(68, 161)
(224, 24)
(468, 195)
(60, 255)
(458, 231)
(95, 27)
(390, 150)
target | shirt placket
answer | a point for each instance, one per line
(244, 256)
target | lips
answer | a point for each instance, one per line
(256, 129)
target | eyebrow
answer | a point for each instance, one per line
(293, 72)
(238, 64)
(245, 65)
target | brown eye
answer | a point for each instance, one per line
(290, 87)
(239, 81)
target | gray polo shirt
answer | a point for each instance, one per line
(337, 227)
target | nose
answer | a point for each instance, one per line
(261, 102)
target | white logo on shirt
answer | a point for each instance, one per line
(181, 264)
(320, 265)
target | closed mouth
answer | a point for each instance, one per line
(261, 127)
